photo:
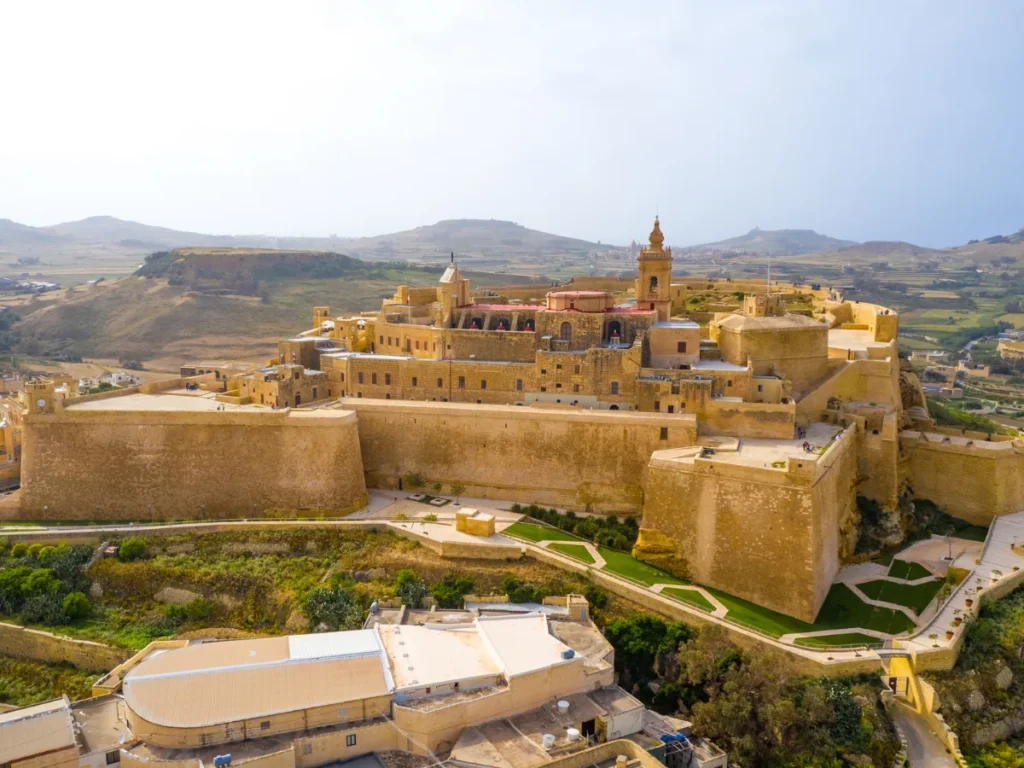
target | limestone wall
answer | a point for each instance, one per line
(739, 419)
(558, 457)
(43, 646)
(976, 483)
(767, 535)
(123, 464)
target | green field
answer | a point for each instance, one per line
(901, 569)
(576, 551)
(689, 596)
(532, 532)
(916, 597)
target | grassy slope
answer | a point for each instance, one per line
(29, 682)
(916, 597)
(577, 551)
(901, 569)
(539, 533)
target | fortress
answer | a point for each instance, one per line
(739, 420)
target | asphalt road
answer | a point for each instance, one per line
(924, 750)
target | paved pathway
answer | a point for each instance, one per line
(996, 563)
(924, 750)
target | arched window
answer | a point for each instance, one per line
(614, 331)
(654, 284)
(566, 332)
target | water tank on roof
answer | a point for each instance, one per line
(374, 607)
(563, 707)
(221, 760)
(573, 734)
(568, 653)
(549, 740)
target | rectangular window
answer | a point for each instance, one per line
(543, 372)
(543, 389)
(414, 381)
(576, 370)
(615, 387)
(462, 382)
(440, 382)
(417, 345)
(387, 378)
(373, 378)
(657, 405)
(307, 748)
(558, 367)
(728, 382)
(760, 387)
(343, 378)
(575, 387)
(519, 385)
(671, 409)
(558, 385)
(350, 740)
(483, 383)
(360, 377)
(114, 757)
(264, 725)
(381, 340)
(681, 347)
(389, 341)
(664, 433)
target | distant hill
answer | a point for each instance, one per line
(108, 246)
(212, 302)
(777, 242)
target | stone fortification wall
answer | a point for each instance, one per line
(43, 646)
(769, 535)
(171, 464)
(975, 482)
(740, 419)
(560, 457)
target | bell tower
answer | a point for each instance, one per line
(654, 285)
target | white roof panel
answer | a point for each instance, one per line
(333, 645)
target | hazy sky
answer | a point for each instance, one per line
(868, 120)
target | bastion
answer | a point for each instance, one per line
(176, 456)
(765, 520)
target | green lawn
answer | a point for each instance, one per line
(576, 551)
(690, 596)
(901, 569)
(831, 641)
(916, 597)
(631, 568)
(538, 533)
(844, 610)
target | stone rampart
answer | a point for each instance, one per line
(121, 464)
(975, 480)
(43, 646)
(565, 458)
(727, 524)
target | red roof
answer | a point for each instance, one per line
(503, 307)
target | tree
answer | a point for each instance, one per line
(332, 608)
(409, 589)
(76, 606)
(414, 480)
(457, 488)
(132, 549)
(451, 591)
(12, 581)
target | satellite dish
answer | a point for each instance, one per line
(41, 402)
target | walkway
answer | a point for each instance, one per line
(924, 750)
(720, 610)
(599, 561)
(996, 567)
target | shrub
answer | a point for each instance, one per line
(414, 480)
(19, 550)
(451, 591)
(34, 550)
(520, 592)
(132, 549)
(76, 606)
(430, 518)
(409, 589)
(333, 608)
(47, 608)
